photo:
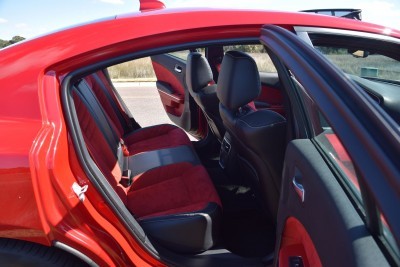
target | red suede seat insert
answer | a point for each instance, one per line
(155, 138)
(171, 189)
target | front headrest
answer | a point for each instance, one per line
(239, 80)
(198, 72)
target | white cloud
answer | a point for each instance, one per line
(114, 2)
(3, 20)
(21, 25)
(381, 12)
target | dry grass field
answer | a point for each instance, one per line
(142, 70)
(138, 69)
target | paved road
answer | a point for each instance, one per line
(144, 102)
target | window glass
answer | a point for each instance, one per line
(372, 63)
(134, 70)
(362, 63)
(184, 53)
(329, 142)
(337, 153)
(388, 236)
(258, 53)
(180, 54)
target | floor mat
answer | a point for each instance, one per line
(247, 231)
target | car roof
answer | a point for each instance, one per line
(102, 34)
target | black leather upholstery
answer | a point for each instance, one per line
(199, 79)
(259, 137)
(200, 74)
(186, 232)
(239, 81)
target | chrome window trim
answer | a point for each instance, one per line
(303, 32)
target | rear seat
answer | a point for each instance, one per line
(162, 184)
(136, 139)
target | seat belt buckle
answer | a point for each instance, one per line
(126, 178)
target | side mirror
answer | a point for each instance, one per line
(359, 53)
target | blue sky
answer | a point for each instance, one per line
(31, 18)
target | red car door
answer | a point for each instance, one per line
(180, 107)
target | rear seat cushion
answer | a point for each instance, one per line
(174, 188)
(178, 206)
(155, 137)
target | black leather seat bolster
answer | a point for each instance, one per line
(192, 232)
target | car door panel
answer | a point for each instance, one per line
(173, 102)
(327, 215)
(337, 230)
(171, 85)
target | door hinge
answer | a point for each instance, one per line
(79, 191)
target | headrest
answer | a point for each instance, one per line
(239, 80)
(198, 72)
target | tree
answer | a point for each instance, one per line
(15, 39)
(3, 43)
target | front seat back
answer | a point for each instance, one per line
(201, 86)
(258, 136)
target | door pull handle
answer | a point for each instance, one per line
(298, 187)
(178, 69)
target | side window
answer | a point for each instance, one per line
(184, 53)
(134, 70)
(135, 82)
(362, 63)
(388, 236)
(180, 54)
(329, 143)
(338, 156)
(258, 53)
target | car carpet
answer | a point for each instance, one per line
(246, 231)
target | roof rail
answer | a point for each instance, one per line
(338, 12)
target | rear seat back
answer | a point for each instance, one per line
(109, 99)
(99, 148)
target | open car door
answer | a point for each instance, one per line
(180, 107)
(340, 186)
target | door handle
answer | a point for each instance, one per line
(178, 68)
(298, 187)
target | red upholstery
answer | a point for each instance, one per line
(141, 140)
(99, 148)
(106, 105)
(162, 196)
(154, 138)
(297, 242)
(171, 189)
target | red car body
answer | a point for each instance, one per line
(38, 162)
